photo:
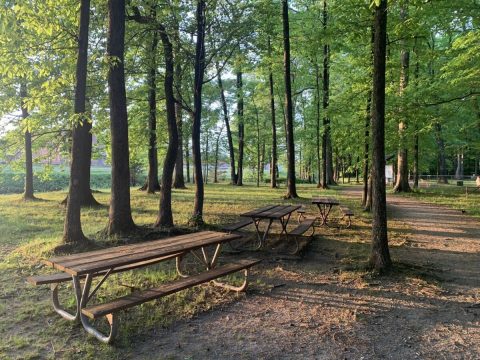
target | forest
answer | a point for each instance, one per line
(113, 104)
(207, 81)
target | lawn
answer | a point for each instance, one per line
(30, 231)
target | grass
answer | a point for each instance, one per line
(30, 231)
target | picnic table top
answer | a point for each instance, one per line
(271, 211)
(325, 200)
(94, 261)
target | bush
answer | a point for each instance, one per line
(12, 183)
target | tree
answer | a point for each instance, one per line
(197, 216)
(28, 190)
(291, 183)
(120, 215)
(80, 160)
(380, 255)
(402, 162)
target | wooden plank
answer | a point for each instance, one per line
(63, 277)
(92, 254)
(118, 251)
(282, 212)
(131, 300)
(253, 213)
(135, 256)
(302, 227)
(238, 225)
(268, 214)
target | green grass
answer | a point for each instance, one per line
(29, 231)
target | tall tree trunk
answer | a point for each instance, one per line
(165, 216)
(326, 90)
(28, 189)
(442, 162)
(197, 216)
(368, 120)
(207, 137)
(72, 230)
(241, 128)
(416, 170)
(187, 159)
(262, 161)
(120, 215)
(152, 185)
(321, 165)
(291, 182)
(273, 162)
(231, 151)
(380, 255)
(179, 179)
(402, 184)
(217, 147)
(258, 144)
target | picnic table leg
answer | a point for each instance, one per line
(60, 310)
(284, 221)
(262, 238)
(111, 318)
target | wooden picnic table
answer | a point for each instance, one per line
(324, 205)
(107, 261)
(270, 213)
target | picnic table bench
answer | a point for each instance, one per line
(105, 262)
(346, 212)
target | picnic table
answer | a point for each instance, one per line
(104, 262)
(270, 213)
(324, 205)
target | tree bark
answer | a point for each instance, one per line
(217, 148)
(402, 184)
(28, 189)
(152, 185)
(187, 159)
(380, 255)
(442, 163)
(179, 178)
(273, 163)
(120, 215)
(72, 230)
(291, 182)
(241, 128)
(321, 166)
(197, 216)
(366, 150)
(231, 151)
(165, 216)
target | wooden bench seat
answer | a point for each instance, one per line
(346, 212)
(137, 298)
(302, 227)
(301, 214)
(63, 277)
(238, 225)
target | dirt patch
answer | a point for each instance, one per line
(312, 309)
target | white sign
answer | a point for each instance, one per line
(389, 173)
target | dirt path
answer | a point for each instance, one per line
(310, 310)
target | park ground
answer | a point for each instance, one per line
(325, 305)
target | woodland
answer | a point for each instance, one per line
(187, 104)
(318, 87)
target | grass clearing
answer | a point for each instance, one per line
(30, 231)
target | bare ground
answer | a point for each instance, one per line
(428, 308)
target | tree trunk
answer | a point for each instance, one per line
(459, 170)
(152, 185)
(415, 160)
(402, 184)
(331, 174)
(291, 183)
(442, 163)
(217, 146)
(233, 176)
(380, 255)
(258, 144)
(273, 163)
(179, 179)
(28, 190)
(120, 215)
(197, 216)
(72, 230)
(165, 216)
(241, 128)
(205, 178)
(187, 159)
(321, 161)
